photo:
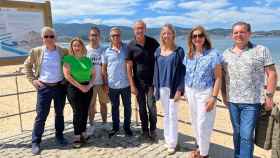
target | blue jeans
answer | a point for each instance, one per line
(243, 118)
(44, 97)
(114, 95)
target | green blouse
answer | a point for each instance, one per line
(80, 68)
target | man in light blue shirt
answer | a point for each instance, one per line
(115, 76)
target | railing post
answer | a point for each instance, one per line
(18, 100)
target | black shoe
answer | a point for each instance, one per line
(61, 141)
(128, 133)
(144, 136)
(153, 135)
(112, 133)
(35, 148)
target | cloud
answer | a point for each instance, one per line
(96, 7)
(162, 5)
(161, 20)
(204, 5)
(110, 22)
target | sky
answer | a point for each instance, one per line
(261, 14)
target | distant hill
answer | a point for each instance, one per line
(67, 31)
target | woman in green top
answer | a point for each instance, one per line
(78, 71)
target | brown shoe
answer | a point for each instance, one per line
(195, 154)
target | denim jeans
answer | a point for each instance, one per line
(147, 100)
(44, 97)
(114, 95)
(243, 118)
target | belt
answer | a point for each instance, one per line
(52, 84)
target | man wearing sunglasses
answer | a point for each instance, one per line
(140, 66)
(116, 79)
(48, 80)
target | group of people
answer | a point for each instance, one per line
(152, 71)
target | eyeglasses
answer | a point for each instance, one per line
(49, 36)
(115, 35)
(94, 35)
(198, 35)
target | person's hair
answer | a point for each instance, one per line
(71, 51)
(242, 23)
(171, 28)
(46, 29)
(140, 22)
(248, 28)
(115, 29)
(94, 28)
(206, 45)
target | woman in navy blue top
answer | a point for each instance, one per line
(203, 82)
(169, 74)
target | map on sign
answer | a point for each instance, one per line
(19, 31)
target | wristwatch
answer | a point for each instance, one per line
(269, 94)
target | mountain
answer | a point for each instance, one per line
(67, 31)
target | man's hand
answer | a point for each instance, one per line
(37, 84)
(106, 88)
(268, 103)
(134, 90)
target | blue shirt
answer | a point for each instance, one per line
(116, 67)
(200, 71)
(166, 69)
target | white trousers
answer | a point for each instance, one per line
(170, 118)
(202, 121)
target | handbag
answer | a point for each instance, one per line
(262, 124)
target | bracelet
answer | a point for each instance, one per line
(215, 97)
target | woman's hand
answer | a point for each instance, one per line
(83, 88)
(210, 104)
(177, 96)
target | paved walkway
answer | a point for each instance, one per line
(18, 146)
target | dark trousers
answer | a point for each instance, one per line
(146, 100)
(44, 97)
(114, 95)
(79, 102)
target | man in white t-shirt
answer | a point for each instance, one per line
(94, 53)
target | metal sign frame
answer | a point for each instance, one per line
(43, 7)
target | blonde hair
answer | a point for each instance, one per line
(71, 51)
(46, 29)
(171, 28)
(207, 43)
(115, 29)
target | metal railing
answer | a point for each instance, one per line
(19, 72)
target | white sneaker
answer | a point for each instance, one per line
(171, 151)
(90, 130)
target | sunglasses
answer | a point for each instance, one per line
(115, 35)
(49, 36)
(94, 35)
(198, 35)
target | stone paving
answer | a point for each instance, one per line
(101, 146)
